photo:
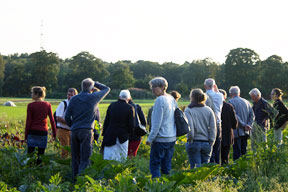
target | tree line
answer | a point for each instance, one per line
(243, 67)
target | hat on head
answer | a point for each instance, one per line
(125, 94)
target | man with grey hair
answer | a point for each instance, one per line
(245, 118)
(80, 117)
(215, 101)
(264, 114)
(118, 127)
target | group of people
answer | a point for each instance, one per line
(215, 124)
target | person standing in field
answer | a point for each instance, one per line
(36, 130)
(163, 129)
(229, 123)
(80, 117)
(63, 130)
(202, 122)
(282, 117)
(245, 117)
(118, 127)
(215, 101)
(264, 114)
(135, 140)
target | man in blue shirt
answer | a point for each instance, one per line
(80, 117)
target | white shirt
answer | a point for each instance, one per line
(217, 99)
(61, 113)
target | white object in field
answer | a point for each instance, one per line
(10, 103)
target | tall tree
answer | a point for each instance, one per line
(121, 76)
(44, 69)
(85, 65)
(2, 70)
(241, 69)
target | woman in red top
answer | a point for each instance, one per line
(36, 131)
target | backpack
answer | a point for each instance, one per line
(55, 119)
(181, 121)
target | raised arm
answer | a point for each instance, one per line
(104, 90)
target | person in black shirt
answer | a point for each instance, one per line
(282, 117)
(229, 122)
(118, 127)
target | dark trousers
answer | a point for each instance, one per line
(41, 151)
(215, 157)
(81, 149)
(239, 147)
(225, 152)
(160, 158)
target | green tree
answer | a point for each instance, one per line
(2, 75)
(241, 67)
(121, 76)
(44, 69)
(85, 65)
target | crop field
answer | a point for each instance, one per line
(265, 170)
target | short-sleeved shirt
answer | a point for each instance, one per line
(60, 112)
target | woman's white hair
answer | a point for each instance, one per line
(255, 92)
(159, 82)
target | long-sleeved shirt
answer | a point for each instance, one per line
(282, 116)
(217, 102)
(82, 109)
(163, 128)
(119, 123)
(36, 121)
(202, 123)
(244, 113)
(263, 112)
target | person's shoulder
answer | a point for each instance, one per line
(206, 108)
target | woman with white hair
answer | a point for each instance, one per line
(118, 127)
(163, 130)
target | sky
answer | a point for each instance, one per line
(154, 30)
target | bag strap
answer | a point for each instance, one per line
(65, 105)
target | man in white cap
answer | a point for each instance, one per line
(118, 126)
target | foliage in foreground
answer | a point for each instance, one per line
(265, 170)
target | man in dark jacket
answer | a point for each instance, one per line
(118, 127)
(264, 114)
(229, 122)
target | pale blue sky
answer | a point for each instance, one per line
(155, 30)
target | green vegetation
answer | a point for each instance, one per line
(265, 170)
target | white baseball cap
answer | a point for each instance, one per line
(125, 94)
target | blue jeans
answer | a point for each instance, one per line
(198, 153)
(239, 147)
(160, 158)
(81, 149)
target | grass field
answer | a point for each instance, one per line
(19, 112)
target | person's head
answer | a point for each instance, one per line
(71, 92)
(276, 93)
(234, 91)
(209, 83)
(198, 96)
(255, 94)
(38, 92)
(125, 95)
(176, 95)
(158, 86)
(87, 84)
(224, 93)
